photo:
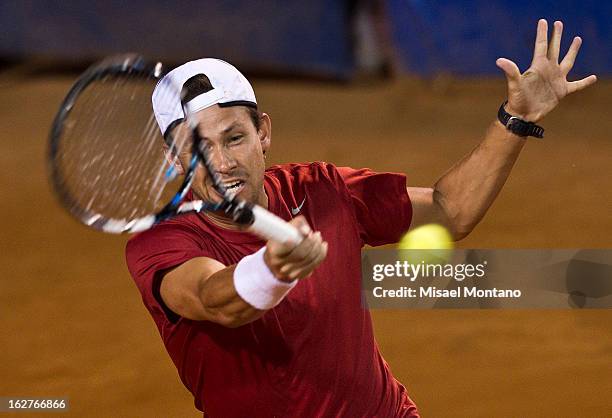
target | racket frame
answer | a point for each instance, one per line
(127, 64)
(252, 217)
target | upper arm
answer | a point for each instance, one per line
(154, 254)
(423, 207)
(180, 287)
(426, 207)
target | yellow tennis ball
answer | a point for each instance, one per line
(427, 237)
(431, 243)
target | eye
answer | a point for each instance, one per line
(206, 146)
(235, 138)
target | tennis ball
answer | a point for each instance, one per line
(434, 242)
(427, 237)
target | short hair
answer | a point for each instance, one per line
(200, 84)
(194, 86)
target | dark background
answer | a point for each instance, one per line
(406, 86)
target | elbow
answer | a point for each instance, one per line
(460, 228)
(460, 232)
(453, 217)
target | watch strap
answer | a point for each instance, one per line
(517, 125)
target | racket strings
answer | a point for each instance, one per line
(111, 155)
(119, 148)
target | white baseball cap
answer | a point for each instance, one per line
(230, 88)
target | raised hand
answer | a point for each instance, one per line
(538, 90)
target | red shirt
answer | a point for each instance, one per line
(314, 354)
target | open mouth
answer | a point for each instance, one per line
(233, 187)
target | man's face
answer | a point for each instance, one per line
(236, 150)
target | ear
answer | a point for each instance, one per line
(172, 158)
(265, 132)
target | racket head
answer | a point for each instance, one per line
(109, 165)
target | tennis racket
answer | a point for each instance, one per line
(108, 165)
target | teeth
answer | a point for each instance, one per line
(233, 185)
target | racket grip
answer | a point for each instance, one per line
(269, 226)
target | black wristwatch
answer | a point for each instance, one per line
(518, 126)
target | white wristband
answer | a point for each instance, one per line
(255, 283)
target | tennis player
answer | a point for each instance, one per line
(277, 329)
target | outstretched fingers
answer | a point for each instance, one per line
(569, 59)
(541, 42)
(555, 41)
(573, 86)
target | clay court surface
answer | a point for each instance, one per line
(73, 323)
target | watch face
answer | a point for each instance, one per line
(513, 121)
(517, 126)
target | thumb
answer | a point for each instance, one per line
(283, 248)
(509, 68)
(301, 224)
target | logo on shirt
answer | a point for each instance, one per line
(295, 211)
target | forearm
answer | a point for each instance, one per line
(240, 294)
(221, 302)
(204, 289)
(467, 190)
(462, 196)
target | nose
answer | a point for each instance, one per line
(221, 159)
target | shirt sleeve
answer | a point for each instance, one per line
(380, 202)
(150, 254)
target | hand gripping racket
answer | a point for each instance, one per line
(108, 164)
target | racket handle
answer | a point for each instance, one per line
(269, 226)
